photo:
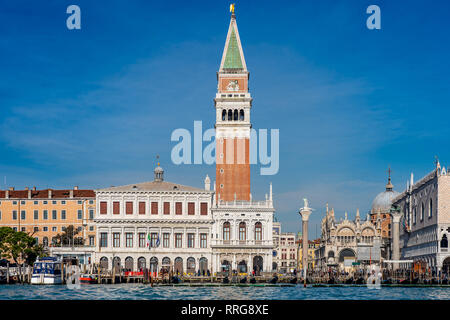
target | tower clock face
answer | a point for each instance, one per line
(233, 85)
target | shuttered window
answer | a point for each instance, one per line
(204, 208)
(116, 207)
(103, 207)
(178, 208)
(191, 208)
(154, 207)
(129, 207)
(142, 207)
(166, 207)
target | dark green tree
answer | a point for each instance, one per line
(19, 247)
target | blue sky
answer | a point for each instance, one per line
(92, 107)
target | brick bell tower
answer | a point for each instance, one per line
(233, 103)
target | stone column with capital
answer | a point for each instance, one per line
(396, 216)
(305, 213)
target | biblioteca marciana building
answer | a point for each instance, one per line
(163, 225)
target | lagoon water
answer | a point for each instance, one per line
(146, 292)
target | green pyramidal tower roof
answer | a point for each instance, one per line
(233, 56)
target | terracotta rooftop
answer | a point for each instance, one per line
(44, 194)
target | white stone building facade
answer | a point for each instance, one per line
(155, 225)
(425, 222)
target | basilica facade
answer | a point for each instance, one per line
(345, 241)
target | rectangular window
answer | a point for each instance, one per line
(0, 215)
(63, 202)
(63, 214)
(116, 207)
(178, 208)
(54, 229)
(203, 240)
(54, 215)
(45, 214)
(91, 241)
(45, 228)
(142, 207)
(129, 207)
(45, 201)
(14, 202)
(80, 202)
(36, 214)
(14, 215)
(23, 229)
(191, 239)
(91, 201)
(23, 215)
(22, 202)
(191, 208)
(141, 236)
(54, 201)
(103, 207)
(204, 208)
(153, 239)
(129, 240)
(166, 240)
(103, 239)
(80, 214)
(166, 207)
(36, 229)
(91, 214)
(154, 207)
(36, 202)
(116, 239)
(15, 228)
(178, 240)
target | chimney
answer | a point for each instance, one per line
(34, 188)
(49, 193)
(11, 188)
(75, 188)
(71, 193)
(7, 194)
(26, 188)
(29, 193)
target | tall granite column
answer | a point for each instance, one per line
(396, 216)
(305, 212)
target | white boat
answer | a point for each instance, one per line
(47, 271)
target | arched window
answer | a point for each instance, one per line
(258, 231)
(230, 115)
(224, 115)
(444, 241)
(178, 265)
(104, 263)
(241, 115)
(128, 264)
(226, 231)
(141, 263)
(422, 211)
(45, 242)
(190, 266)
(414, 215)
(430, 209)
(154, 264)
(235, 118)
(242, 231)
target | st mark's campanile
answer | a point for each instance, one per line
(233, 103)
